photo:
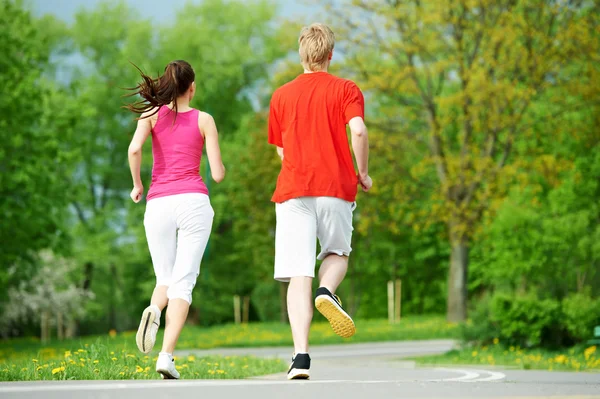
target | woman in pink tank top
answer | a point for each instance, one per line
(178, 217)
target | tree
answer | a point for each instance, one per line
(33, 160)
(466, 74)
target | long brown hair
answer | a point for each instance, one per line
(175, 81)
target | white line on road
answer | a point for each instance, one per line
(470, 376)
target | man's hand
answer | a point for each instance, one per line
(365, 182)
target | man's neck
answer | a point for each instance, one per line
(320, 70)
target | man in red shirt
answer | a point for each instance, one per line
(317, 187)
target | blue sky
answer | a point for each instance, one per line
(155, 9)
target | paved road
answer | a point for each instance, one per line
(358, 371)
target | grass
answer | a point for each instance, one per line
(115, 356)
(98, 362)
(573, 359)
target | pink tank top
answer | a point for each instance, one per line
(177, 150)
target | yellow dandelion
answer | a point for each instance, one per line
(96, 371)
(147, 369)
(96, 361)
(211, 372)
(245, 366)
(24, 369)
(561, 359)
(57, 370)
(496, 341)
(34, 360)
(82, 360)
(130, 355)
(474, 354)
(112, 353)
(191, 359)
(220, 371)
(114, 359)
(232, 364)
(122, 373)
(138, 369)
(589, 352)
(38, 368)
(67, 353)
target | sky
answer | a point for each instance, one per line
(155, 9)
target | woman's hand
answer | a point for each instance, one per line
(136, 193)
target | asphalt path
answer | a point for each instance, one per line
(356, 371)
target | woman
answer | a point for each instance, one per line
(178, 216)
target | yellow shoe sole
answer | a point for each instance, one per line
(340, 322)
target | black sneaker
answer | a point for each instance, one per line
(300, 367)
(330, 306)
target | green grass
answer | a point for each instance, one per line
(115, 356)
(573, 359)
(98, 362)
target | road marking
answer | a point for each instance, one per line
(494, 376)
(467, 375)
(470, 376)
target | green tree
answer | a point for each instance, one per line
(33, 159)
(464, 74)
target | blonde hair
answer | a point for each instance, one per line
(316, 43)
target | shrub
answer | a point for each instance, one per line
(516, 320)
(581, 313)
(525, 320)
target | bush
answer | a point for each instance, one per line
(581, 313)
(516, 320)
(479, 328)
(525, 320)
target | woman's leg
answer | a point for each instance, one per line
(161, 233)
(195, 216)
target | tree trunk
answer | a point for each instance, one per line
(60, 327)
(457, 281)
(283, 287)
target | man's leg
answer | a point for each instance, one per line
(295, 247)
(335, 234)
(300, 311)
(332, 271)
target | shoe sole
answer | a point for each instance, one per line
(143, 337)
(166, 375)
(340, 321)
(298, 374)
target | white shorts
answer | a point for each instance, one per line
(300, 221)
(177, 230)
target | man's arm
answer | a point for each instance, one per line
(280, 152)
(360, 145)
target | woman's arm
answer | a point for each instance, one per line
(144, 127)
(211, 139)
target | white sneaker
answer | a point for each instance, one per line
(146, 334)
(165, 365)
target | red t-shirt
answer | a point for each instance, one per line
(308, 120)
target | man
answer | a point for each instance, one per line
(317, 187)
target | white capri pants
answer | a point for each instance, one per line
(177, 230)
(300, 222)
